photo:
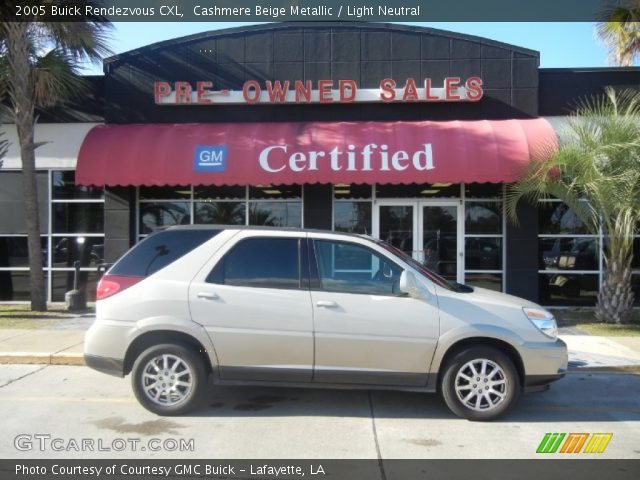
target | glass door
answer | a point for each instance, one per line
(440, 239)
(396, 224)
(429, 231)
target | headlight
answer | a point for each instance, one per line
(543, 321)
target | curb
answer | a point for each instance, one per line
(29, 358)
(607, 369)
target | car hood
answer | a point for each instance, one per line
(484, 295)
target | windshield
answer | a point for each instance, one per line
(434, 277)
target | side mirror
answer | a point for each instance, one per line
(409, 284)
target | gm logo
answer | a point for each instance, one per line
(210, 158)
(574, 443)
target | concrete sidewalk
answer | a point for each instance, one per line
(62, 344)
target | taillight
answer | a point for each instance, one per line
(111, 284)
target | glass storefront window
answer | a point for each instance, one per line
(491, 281)
(483, 217)
(275, 214)
(557, 218)
(89, 251)
(567, 289)
(219, 213)
(63, 186)
(14, 252)
(568, 253)
(352, 217)
(14, 286)
(154, 215)
(78, 217)
(483, 253)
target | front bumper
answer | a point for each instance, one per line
(544, 363)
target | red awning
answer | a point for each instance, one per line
(314, 152)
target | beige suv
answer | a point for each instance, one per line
(191, 307)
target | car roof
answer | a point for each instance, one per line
(262, 228)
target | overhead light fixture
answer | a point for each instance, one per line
(183, 192)
(342, 185)
(441, 185)
(342, 192)
(429, 192)
(272, 191)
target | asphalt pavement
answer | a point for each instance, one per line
(59, 406)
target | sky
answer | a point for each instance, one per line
(560, 44)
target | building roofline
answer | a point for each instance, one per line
(263, 27)
(589, 69)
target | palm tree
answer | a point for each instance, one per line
(596, 172)
(619, 31)
(38, 66)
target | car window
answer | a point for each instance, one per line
(351, 268)
(260, 262)
(159, 250)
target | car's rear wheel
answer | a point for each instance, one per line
(480, 383)
(169, 379)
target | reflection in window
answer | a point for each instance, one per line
(15, 253)
(568, 289)
(482, 253)
(350, 268)
(483, 217)
(260, 263)
(14, 286)
(163, 214)
(557, 218)
(64, 187)
(89, 251)
(276, 214)
(78, 217)
(352, 217)
(568, 253)
(219, 213)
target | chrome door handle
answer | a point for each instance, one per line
(208, 295)
(326, 304)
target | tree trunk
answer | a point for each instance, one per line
(615, 299)
(20, 89)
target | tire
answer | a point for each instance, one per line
(496, 398)
(186, 382)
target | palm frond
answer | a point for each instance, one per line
(54, 79)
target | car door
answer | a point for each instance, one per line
(366, 330)
(254, 301)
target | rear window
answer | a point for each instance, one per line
(159, 250)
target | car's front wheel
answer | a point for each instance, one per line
(480, 383)
(169, 379)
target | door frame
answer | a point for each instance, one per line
(418, 233)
